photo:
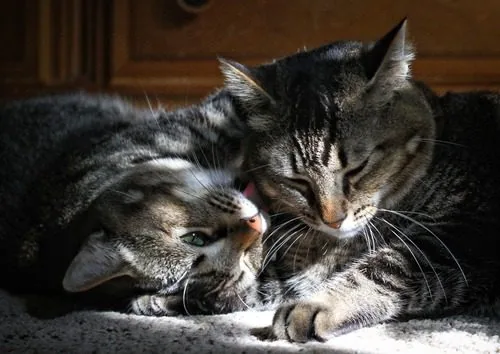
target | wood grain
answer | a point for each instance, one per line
(155, 48)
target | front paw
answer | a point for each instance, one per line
(303, 321)
(155, 305)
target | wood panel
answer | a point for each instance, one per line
(51, 45)
(159, 49)
(155, 48)
(18, 57)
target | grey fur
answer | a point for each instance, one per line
(395, 188)
(95, 196)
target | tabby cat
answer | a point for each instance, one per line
(115, 203)
(389, 194)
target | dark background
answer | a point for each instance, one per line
(166, 49)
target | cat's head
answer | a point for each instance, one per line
(182, 232)
(336, 132)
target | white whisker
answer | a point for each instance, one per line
(243, 302)
(414, 256)
(434, 235)
(184, 297)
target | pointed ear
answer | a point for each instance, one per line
(388, 62)
(243, 83)
(97, 262)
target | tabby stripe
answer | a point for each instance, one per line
(298, 147)
(293, 162)
(351, 280)
(387, 281)
(209, 274)
(342, 157)
(137, 160)
(327, 149)
(224, 202)
(221, 207)
(202, 132)
(384, 273)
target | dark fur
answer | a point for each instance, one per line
(398, 188)
(92, 183)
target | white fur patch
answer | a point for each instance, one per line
(216, 117)
(248, 209)
(349, 228)
(203, 178)
(172, 163)
(174, 145)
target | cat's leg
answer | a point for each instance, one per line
(156, 305)
(380, 286)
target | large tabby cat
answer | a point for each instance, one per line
(101, 199)
(393, 191)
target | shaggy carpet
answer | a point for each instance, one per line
(110, 332)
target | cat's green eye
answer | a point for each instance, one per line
(195, 238)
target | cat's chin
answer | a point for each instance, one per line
(337, 233)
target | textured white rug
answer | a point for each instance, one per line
(109, 332)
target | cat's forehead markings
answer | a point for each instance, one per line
(335, 159)
(318, 149)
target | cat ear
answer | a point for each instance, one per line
(388, 62)
(97, 262)
(243, 83)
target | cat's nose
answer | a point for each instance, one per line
(336, 224)
(256, 223)
(333, 212)
(252, 229)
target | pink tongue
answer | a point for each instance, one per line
(251, 193)
(249, 190)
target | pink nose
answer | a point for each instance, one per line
(252, 230)
(254, 223)
(336, 224)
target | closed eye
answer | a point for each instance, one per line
(357, 170)
(301, 184)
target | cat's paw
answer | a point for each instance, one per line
(303, 321)
(154, 305)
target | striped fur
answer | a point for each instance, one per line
(394, 189)
(99, 198)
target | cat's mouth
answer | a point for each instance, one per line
(340, 233)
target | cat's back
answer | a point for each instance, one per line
(472, 120)
(47, 119)
(34, 131)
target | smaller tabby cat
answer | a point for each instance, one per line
(390, 193)
(114, 203)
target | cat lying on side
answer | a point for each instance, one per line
(389, 194)
(115, 203)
